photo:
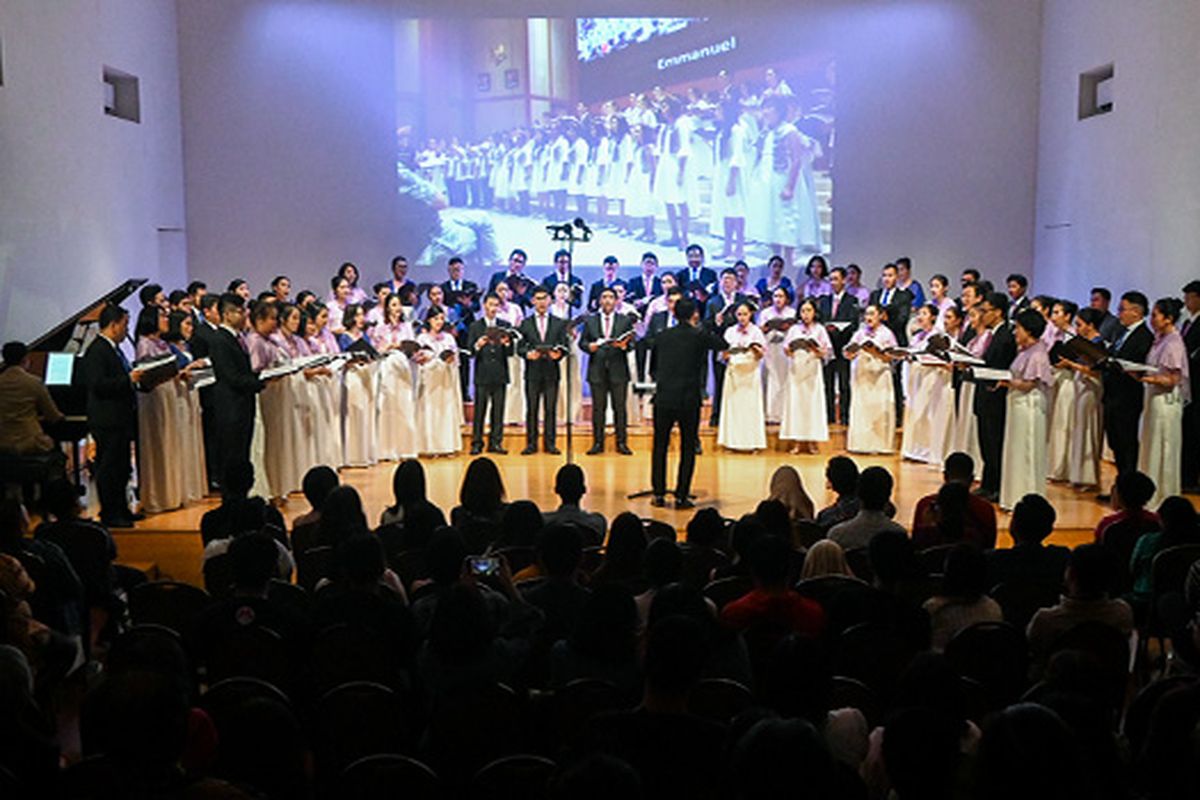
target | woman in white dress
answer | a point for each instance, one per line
(272, 445)
(1167, 391)
(354, 293)
(580, 160)
(327, 383)
(439, 393)
(301, 393)
(786, 165)
(618, 172)
(729, 180)
(939, 296)
(180, 327)
(395, 420)
(360, 387)
(514, 398)
(339, 298)
(929, 413)
(775, 322)
(966, 429)
(603, 154)
(561, 308)
(675, 174)
(160, 434)
(1087, 422)
(1062, 394)
(809, 348)
(641, 205)
(872, 427)
(743, 426)
(1023, 459)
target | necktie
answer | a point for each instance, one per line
(124, 360)
(887, 296)
(1121, 341)
(837, 298)
(541, 324)
(1187, 326)
(607, 326)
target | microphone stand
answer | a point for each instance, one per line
(567, 232)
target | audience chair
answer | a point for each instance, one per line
(806, 533)
(251, 651)
(569, 709)
(516, 777)
(1110, 651)
(345, 653)
(1020, 601)
(699, 563)
(724, 591)
(657, 529)
(996, 655)
(719, 699)
(474, 725)
(859, 560)
(312, 565)
(874, 654)
(389, 775)
(933, 559)
(218, 576)
(1168, 609)
(853, 693)
(290, 595)
(356, 720)
(1141, 708)
(171, 604)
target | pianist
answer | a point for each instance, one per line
(25, 404)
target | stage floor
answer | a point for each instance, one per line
(733, 483)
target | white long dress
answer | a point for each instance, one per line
(1062, 423)
(794, 222)
(1087, 430)
(574, 363)
(1160, 452)
(776, 363)
(674, 150)
(1023, 459)
(514, 397)
(327, 407)
(872, 427)
(160, 438)
(439, 398)
(278, 403)
(743, 425)
(929, 413)
(191, 426)
(395, 421)
(358, 412)
(729, 155)
(966, 429)
(804, 413)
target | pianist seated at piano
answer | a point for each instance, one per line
(25, 405)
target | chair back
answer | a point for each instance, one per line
(291, 596)
(699, 563)
(996, 655)
(725, 590)
(171, 604)
(389, 775)
(474, 725)
(515, 777)
(933, 559)
(719, 699)
(859, 559)
(347, 653)
(249, 651)
(874, 654)
(657, 529)
(409, 566)
(1108, 648)
(853, 693)
(806, 533)
(1020, 601)
(218, 576)
(312, 565)
(356, 720)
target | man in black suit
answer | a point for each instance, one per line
(204, 331)
(677, 358)
(1109, 327)
(719, 317)
(518, 281)
(608, 281)
(1189, 328)
(462, 296)
(1018, 294)
(991, 398)
(543, 343)
(696, 280)
(491, 376)
(111, 414)
(647, 286)
(563, 274)
(237, 384)
(658, 322)
(1124, 393)
(608, 369)
(897, 305)
(840, 307)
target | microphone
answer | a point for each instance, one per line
(559, 230)
(581, 225)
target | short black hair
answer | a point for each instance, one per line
(677, 648)
(541, 289)
(770, 560)
(1138, 299)
(685, 308)
(1018, 279)
(229, 300)
(111, 313)
(1092, 316)
(966, 572)
(997, 300)
(1103, 292)
(842, 474)
(148, 292)
(1169, 307)
(278, 279)
(177, 296)
(1068, 306)
(569, 483)
(253, 558)
(694, 247)
(1093, 568)
(904, 261)
(1031, 321)
(662, 563)
(610, 260)
(561, 550)
(1033, 519)
(874, 488)
(491, 296)
(974, 273)
(1135, 489)
(648, 256)
(14, 353)
(317, 484)
(959, 466)
(196, 286)
(209, 301)
(400, 259)
(457, 260)
(729, 271)
(360, 559)
(608, 290)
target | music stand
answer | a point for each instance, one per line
(570, 232)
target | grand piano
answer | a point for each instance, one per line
(72, 336)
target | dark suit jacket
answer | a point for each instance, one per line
(1192, 343)
(237, 384)
(658, 324)
(708, 277)
(201, 342)
(636, 288)
(597, 288)
(608, 362)
(847, 311)
(524, 297)
(468, 288)
(716, 305)
(1017, 306)
(491, 362)
(111, 402)
(677, 362)
(1123, 392)
(898, 312)
(1001, 351)
(556, 334)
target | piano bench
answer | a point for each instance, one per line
(28, 474)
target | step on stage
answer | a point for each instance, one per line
(733, 483)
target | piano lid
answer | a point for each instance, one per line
(70, 334)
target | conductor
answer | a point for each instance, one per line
(677, 360)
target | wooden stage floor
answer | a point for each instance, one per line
(733, 483)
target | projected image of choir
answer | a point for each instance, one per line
(744, 164)
(1035, 389)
